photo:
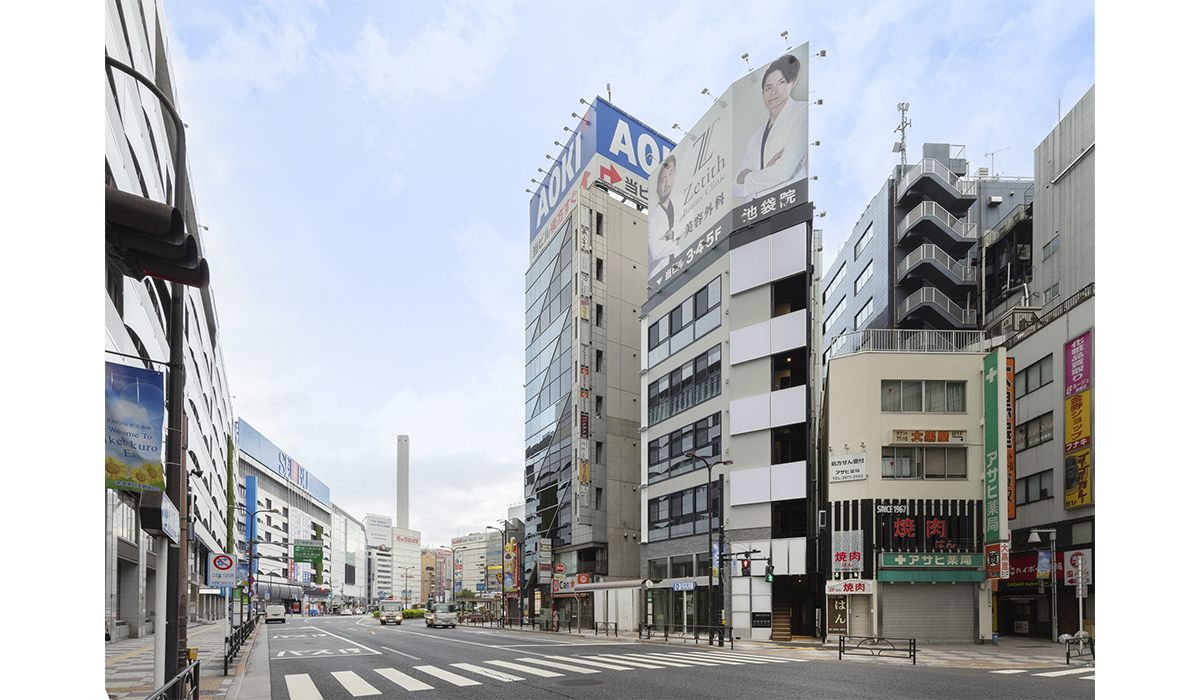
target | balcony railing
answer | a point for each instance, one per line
(932, 295)
(930, 166)
(897, 340)
(929, 251)
(964, 230)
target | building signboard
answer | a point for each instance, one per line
(850, 586)
(852, 467)
(966, 559)
(1078, 478)
(260, 448)
(1011, 429)
(923, 436)
(837, 614)
(847, 551)
(1076, 562)
(927, 533)
(995, 472)
(134, 407)
(1077, 361)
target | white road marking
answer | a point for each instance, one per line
(644, 657)
(556, 664)
(353, 683)
(734, 661)
(1068, 672)
(676, 658)
(582, 660)
(301, 687)
(761, 659)
(614, 657)
(414, 658)
(1010, 670)
(525, 669)
(446, 675)
(403, 680)
(488, 672)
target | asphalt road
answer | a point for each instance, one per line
(337, 658)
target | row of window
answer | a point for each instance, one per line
(667, 455)
(1034, 488)
(684, 566)
(1034, 432)
(697, 381)
(1034, 376)
(680, 514)
(923, 396)
(924, 462)
(695, 317)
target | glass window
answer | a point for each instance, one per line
(864, 315)
(911, 396)
(1050, 248)
(890, 399)
(935, 397)
(833, 283)
(863, 240)
(681, 567)
(656, 569)
(862, 278)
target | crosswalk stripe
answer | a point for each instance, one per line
(721, 660)
(301, 687)
(487, 672)
(678, 664)
(1087, 678)
(702, 658)
(558, 665)
(527, 669)
(355, 684)
(763, 659)
(1011, 670)
(600, 664)
(614, 657)
(1068, 672)
(674, 658)
(446, 675)
(402, 679)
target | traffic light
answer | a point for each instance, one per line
(770, 573)
(143, 237)
(745, 567)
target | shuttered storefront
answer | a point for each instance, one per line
(928, 612)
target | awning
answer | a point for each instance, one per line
(607, 585)
(210, 591)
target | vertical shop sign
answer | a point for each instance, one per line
(1077, 433)
(837, 614)
(1010, 404)
(134, 406)
(994, 419)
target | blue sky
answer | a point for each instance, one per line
(361, 168)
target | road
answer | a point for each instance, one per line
(336, 658)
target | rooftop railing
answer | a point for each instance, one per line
(900, 340)
(930, 166)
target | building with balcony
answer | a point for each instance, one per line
(139, 158)
(903, 530)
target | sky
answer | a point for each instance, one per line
(361, 167)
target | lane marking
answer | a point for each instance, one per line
(525, 669)
(556, 664)
(447, 676)
(353, 683)
(403, 680)
(600, 657)
(708, 657)
(642, 657)
(414, 658)
(1011, 670)
(581, 660)
(488, 672)
(761, 659)
(301, 687)
(1068, 672)
(675, 658)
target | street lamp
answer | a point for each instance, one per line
(712, 561)
(1035, 538)
(407, 586)
(461, 577)
(252, 538)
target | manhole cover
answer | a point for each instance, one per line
(579, 682)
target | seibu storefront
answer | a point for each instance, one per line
(1025, 604)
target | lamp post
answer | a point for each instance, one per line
(407, 592)
(1035, 538)
(712, 561)
(459, 575)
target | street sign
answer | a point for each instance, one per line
(221, 571)
(559, 567)
(684, 586)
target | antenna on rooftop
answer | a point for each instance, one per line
(905, 123)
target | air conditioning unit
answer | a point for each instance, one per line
(995, 201)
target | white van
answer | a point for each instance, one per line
(276, 613)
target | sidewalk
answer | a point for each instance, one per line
(129, 663)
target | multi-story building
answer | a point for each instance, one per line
(139, 156)
(348, 560)
(379, 558)
(726, 333)
(584, 286)
(1051, 336)
(470, 563)
(282, 504)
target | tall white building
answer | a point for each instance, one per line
(348, 560)
(379, 556)
(405, 544)
(139, 149)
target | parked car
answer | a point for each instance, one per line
(347, 611)
(276, 613)
(392, 612)
(441, 615)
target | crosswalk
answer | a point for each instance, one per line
(1052, 674)
(302, 686)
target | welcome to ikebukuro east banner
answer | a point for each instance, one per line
(134, 406)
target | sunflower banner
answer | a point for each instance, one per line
(134, 406)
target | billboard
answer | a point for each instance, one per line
(607, 145)
(995, 447)
(134, 406)
(745, 160)
(379, 530)
(260, 448)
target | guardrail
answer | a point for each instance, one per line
(606, 627)
(185, 686)
(713, 634)
(233, 642)
(1079, 647)
(877, 646)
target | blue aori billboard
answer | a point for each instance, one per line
(605, 131)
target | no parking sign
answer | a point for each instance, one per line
(221, 572)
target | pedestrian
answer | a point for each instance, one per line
(554, 618)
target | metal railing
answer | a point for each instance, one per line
(233, 642)
(935, 296)
(605, 627)
(877, 646)
(1079, 647)
(696, 634)
(898, 340)
(929, 251)
(186, 685)
(966, 231)
(930, 166)
(1053, 314)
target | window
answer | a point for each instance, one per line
(1052, 293)
(833, 315)
(599, 315)
(599, 224)
(1034, 432)
(599, 456)
(789, 443)
(681, 514)
(599, 270)
(599, 407)
(922, 396)
(1050, 248)
(835, 281)
(682, 567)
(863, 240)
(1034, 376)
(1038, 487)
(864, 315)
(684, 324)
(924, 462)
(689, 385)
(599, 361)
(788, 295)
(656, 569)
(789, 369)
(789, 518)
(862, 278)
(666, 455)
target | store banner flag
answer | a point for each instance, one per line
(134, 407)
